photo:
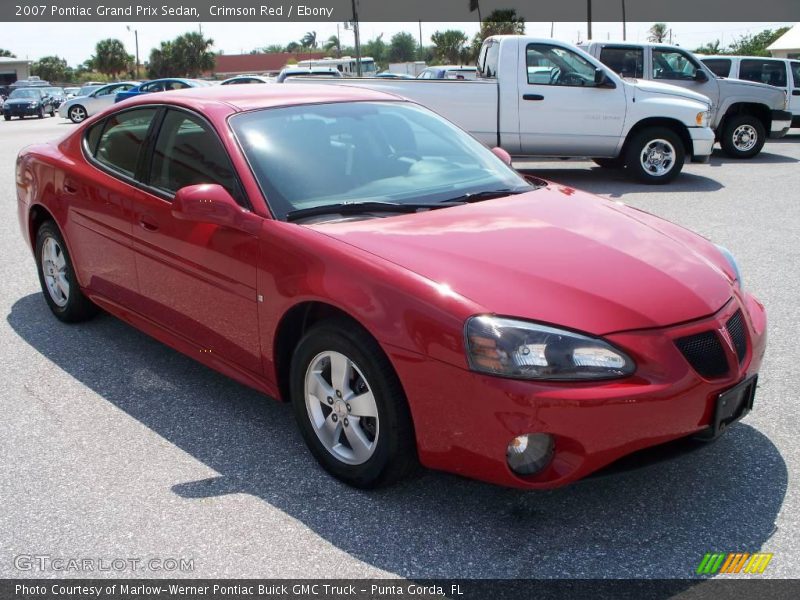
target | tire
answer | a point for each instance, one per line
(655, 155)
(384, 449)
(41, 113)
(52, 112)
(610, 163)
(743, 136)
(7, 117)
(68, 305)
(77, 114)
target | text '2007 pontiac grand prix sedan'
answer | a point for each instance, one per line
(411, 295)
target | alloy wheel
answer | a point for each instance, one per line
(657, 157)
(54, 269)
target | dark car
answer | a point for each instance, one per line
(58, 95)
(161, 85)
(28, 102)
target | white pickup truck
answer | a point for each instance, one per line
(541, 97)
(745, 113)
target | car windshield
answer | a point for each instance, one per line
(26, 93)
(357, 152)
(57, 91)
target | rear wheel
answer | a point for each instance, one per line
(77, 114)
(655, 155)
(350, 406)
(57, 277)
(743, 136)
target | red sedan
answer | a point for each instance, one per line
(411, 295)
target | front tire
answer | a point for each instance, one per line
(57, 277)
(77, 114)
(350, 406)
(41, 113)
(743, 136)
(655, 156)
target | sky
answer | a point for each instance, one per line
(75, 41)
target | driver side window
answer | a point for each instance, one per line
(553, 65)
(673, 64)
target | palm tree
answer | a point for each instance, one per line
(333, 42)
(657, 33)
(293, 47)
(309, 40)
(110, 57)
(193, 54)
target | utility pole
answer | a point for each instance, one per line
(357, 38)
(589, 19)
(136, 38)
(420, 40)
(624, 33)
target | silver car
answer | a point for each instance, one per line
(79, 108)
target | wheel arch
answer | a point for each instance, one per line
(37, 215)
(760, 111)
(673, 124)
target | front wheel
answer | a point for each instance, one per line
(655, 156)
(57, 277)
(77, 114)
(41, 113)
(350, 406)
(743, 136)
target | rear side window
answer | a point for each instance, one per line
(188, 152)
(796, 73)
(156, 86)
(627, 62)
(771, 72)
(122, 139)
(489, 59)
(721, 67)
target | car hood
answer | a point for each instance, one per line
(21, 101)
(657, 87)
(554, 255)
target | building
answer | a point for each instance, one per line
(230, 65)
(12, 69)
(788, 45)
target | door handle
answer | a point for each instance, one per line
(147, 224)
(70, 188)
(532, 97)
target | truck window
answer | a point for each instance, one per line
(673, 64)
(796, 73)
(721, 67)
(771, 72)
(553, 65)
(627, 62)
(488, 59)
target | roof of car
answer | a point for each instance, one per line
(249, 97)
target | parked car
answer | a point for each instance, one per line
(388, 296)
(28, 102)
(246, 79)
(82, 107)
(58, 95)
(329, 72)
(87, 89)
(581, 108)
(390, 75)
(32, 81)
(744, 113)
(449, 72)
(72, 92)
(160, 85)
(783, 73)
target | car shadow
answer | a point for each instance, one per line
(719, 158)
(656, 521)
(614, 183)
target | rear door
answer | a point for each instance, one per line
(197, 279)
(562, 112)
(794, 97)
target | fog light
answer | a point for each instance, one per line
(530, 453)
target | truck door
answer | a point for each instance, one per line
(562, 111)
(678, 67)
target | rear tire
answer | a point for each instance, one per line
(743, 136)
(340, 378)
(655, 155)
(57, 277)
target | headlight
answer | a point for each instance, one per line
(732, 262)
(526, 350)
(703, 118)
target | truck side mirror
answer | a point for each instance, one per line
(700, 76)
(601, 79)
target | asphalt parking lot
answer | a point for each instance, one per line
(113, 445)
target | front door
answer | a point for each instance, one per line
(196, 279)
(678, 67)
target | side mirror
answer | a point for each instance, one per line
(700, 76)
(502, 155)
(601, 79)
(211, 203)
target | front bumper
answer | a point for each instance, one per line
(62, 111)
(781, 123)
(465, 420)
(21, 111)
(702, 143)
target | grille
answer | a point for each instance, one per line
(735, 327)
(705, 353)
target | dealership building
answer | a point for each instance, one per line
(788, 45)
(12, 69)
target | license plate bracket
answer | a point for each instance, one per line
(731, 405)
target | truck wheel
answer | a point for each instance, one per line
(610, 163)
(655, 155)
(743, 136)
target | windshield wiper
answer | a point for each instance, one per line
(488, 195)
(350, 208)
